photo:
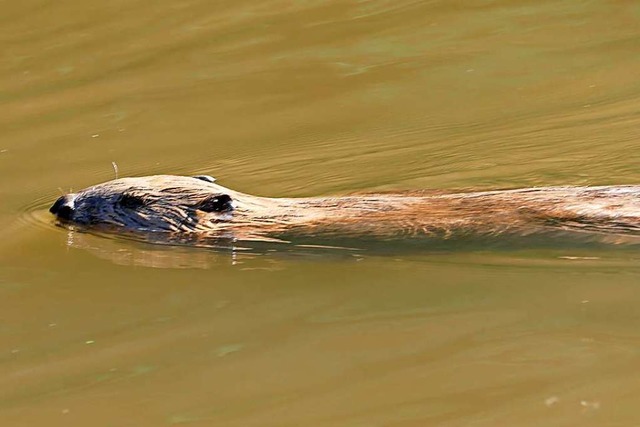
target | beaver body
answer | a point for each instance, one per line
(197, 207)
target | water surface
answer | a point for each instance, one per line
(301, 98)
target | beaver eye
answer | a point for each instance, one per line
(130, 201)
(218, 203)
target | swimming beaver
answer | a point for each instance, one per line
(196, 206)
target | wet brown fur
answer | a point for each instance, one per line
(171, 204)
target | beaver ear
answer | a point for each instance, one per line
(206, 178)
(217, 203)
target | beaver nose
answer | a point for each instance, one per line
(63, 207)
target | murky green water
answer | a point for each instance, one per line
(290, 98)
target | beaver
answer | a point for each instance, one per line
(196, 208)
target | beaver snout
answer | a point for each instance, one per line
(63, 207)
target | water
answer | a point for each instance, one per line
(314, 98)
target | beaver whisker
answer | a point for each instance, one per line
(115, 168)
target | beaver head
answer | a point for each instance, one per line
(154, 203)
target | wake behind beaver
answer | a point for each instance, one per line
(191, 210)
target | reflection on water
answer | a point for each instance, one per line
(308, 98)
